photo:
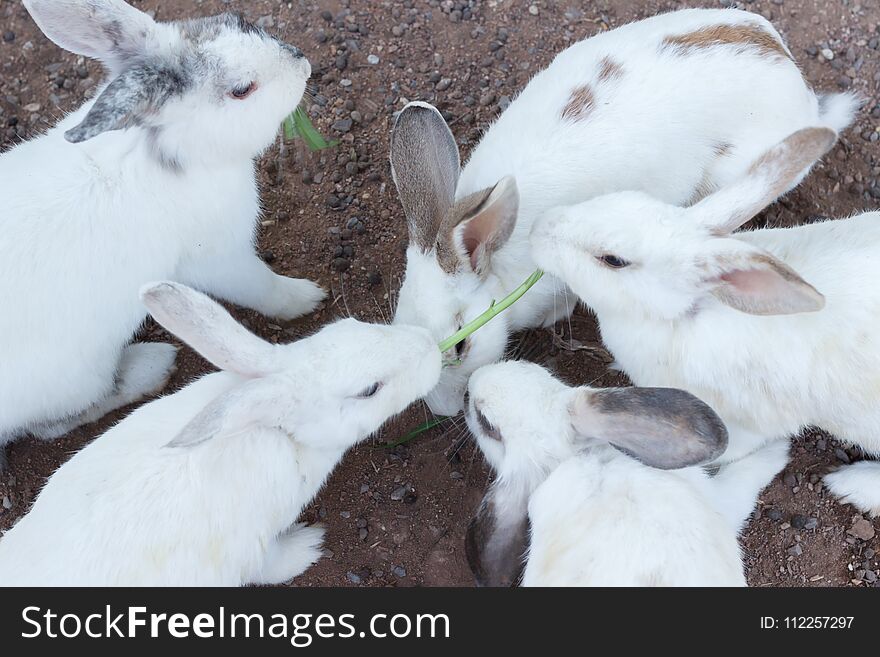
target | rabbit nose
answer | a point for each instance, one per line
(467, 399)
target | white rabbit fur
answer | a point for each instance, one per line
(152, 179)
(777, 329)
(673, 121)
(592, 507)
(201, 487)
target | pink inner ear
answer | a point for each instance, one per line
(771, 289)
(748, 281)
(477, 231)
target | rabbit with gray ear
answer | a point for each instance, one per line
(203, 487)
(676, 105)
(604, 487)
(151, 179)
(777, 329)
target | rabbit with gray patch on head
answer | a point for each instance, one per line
(202, 487)
(675, 105)
(777, 329)
(589, 479)
(153, 178)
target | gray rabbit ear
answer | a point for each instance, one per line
(109, 30)
(425, 167)
(664, 428)
(498, 537)
(128, 100)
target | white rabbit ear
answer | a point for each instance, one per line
(259, 402)
(109, 30)
(497, 537)
(483, 222)
(759, 284)
(425, 167)
(128, 100)
(206, 326)
(664, 428)
(770, 176)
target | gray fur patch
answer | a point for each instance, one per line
(665, 428)
(495, 545)
(210, 27)
(129, 100)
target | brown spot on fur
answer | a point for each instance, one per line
(706, 185)
(579, 105)
(609, 70)
(742, 36)
(722, 148)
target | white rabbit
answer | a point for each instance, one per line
(675, 105)
(152, 179)
(201, 487)
(601, 478)
(777, 329)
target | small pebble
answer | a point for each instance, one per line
(399, 571)
(861, 529)
(354, 578)
(9, 36)
(372, 59)
(398, 493)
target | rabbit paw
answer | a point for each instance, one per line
(857, 484)
(290, 555)
(295, 297)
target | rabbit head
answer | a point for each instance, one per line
(449, 280)
(329, 390)
(526, 423)
(630, 251)
(202, 90)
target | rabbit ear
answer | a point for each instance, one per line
(128, 100)
(110, 30)
(770, 176)
(425, 168)
(206, 326)
(259, 402)
(664, 428)
(497, 537)
(755, 282)
(482, 223)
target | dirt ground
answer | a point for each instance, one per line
(397, 517)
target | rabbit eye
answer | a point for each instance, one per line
(487, 427)
(613, 261)
(242, 92)
(371, 391)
